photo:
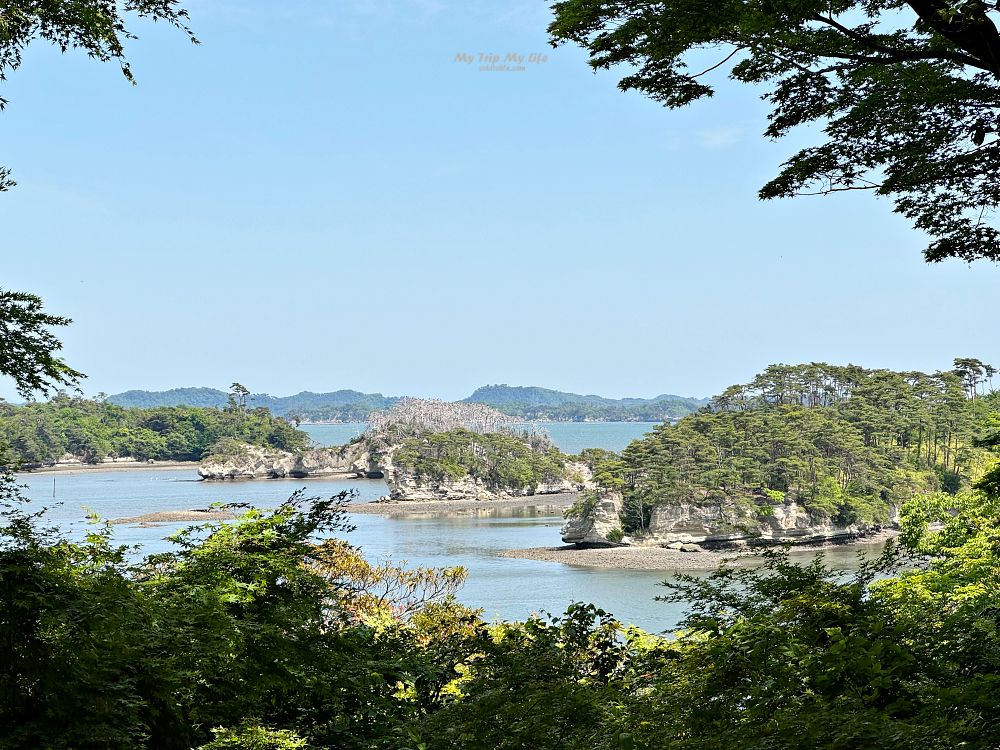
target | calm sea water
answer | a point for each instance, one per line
(503, 587)
(570, 437)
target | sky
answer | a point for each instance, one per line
(326, 195)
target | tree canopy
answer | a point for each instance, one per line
(907, 94)
(38, 434)
(847, 443)
(28, 346)
(268, 633)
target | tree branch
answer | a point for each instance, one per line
(720, 63)
(979, 38)
(898, 55)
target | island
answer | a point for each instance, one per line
(424, 450)
(802, 454)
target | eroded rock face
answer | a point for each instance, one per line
(405, 485)
(261, 463)
(718, 522)
(682, 524)
(593, 529)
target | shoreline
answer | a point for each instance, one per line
(653, 558)
(160, 517)
(111, 466)
(556, 502)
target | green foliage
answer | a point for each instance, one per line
(199, 397)
(41, 433)
(27, 346)
(254, 737)
(233, 628)
(828, 498)
(775, 496)
(905, 94)
(227, 448)
(583, 506)
(277, 643)
(795, 656)
(844, 442)
(606, 466)
(337, 406)
(637, 511)
(498, 459)
(535, 685)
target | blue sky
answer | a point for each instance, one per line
(320, 197)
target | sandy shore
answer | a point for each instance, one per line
(555, 504)
(112, 466)
(660, 558)
(172, 516)
(622, 558)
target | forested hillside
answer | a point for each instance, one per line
(524, 402)
(495, 458)
(337, 406)
(36, 434)
(847, 443)
(201, 397)
(530, 402)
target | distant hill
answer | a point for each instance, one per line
(203, 397)
(532, 402)
(527, 402)
(342, 406)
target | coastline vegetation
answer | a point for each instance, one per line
(272, 633)
(846, 443)
(42, 433)
(495, 458)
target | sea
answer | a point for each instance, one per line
(504, 588)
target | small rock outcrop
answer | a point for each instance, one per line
(253, 462)
(596, 523)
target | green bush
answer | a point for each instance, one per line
(497, 459)
(255, 737)
(583, 505)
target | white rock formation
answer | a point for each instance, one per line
(674, 525)
(594, 528)
(404, 485)
(261, 463)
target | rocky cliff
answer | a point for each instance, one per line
(595, 524)
(709, 524)
(252, 462)
(405, 485)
